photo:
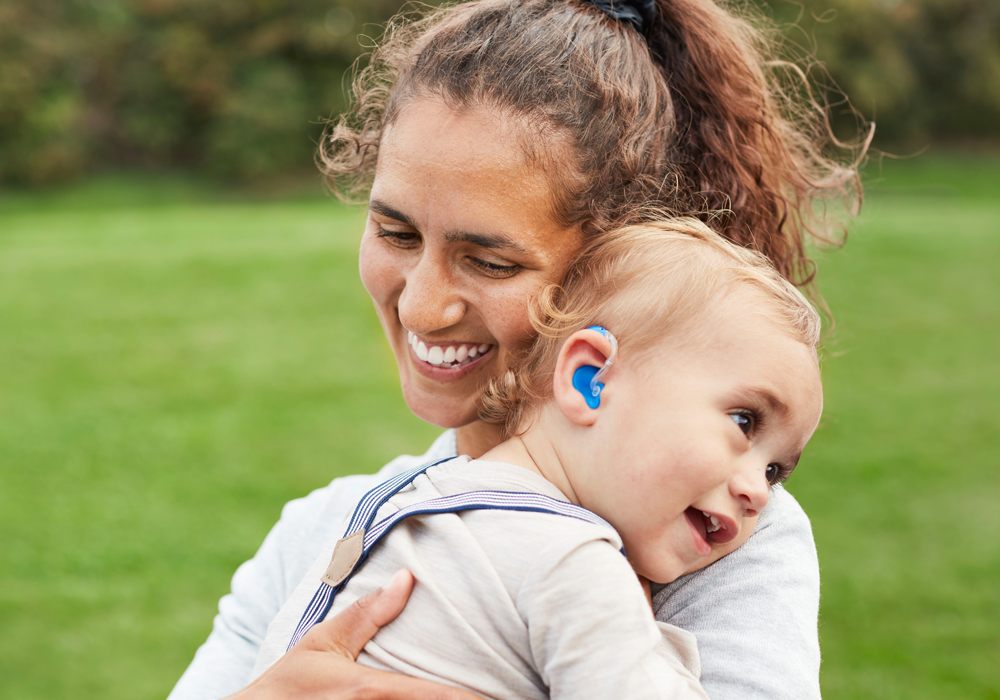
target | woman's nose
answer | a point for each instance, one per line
(750, 487)
(430, 299)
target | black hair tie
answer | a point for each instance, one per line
(639, 13)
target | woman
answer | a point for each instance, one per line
(502, 135)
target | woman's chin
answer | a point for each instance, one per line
(439, 410)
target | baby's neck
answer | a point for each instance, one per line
(535, 451)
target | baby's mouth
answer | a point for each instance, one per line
(447, 355)
(713, 529)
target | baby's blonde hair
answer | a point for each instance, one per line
(644, 283)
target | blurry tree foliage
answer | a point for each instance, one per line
(234, 87)
(923, 70)
(238, 87)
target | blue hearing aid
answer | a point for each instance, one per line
(585, 378)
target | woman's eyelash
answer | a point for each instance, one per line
(495, 269)
(400, 236)
(409, 237)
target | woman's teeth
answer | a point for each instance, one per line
(713, 522)
(454, 355)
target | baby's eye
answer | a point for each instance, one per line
(772, 472)
(744, 421)
(775, 474)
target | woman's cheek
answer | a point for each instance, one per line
(512, 320)
(377, 270)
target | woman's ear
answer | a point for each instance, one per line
(586, 348)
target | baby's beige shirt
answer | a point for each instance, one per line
(509, 605)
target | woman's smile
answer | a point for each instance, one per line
(447, 361)
(447, 355)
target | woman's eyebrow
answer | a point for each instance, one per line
(387, 211)
(485, 240)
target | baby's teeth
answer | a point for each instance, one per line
(422, 351)
(449, 354)
(483, 348)
(463, 352)
(435, 355)
(473, 350)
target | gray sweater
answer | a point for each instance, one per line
(754, 613)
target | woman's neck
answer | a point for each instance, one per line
(476, 439)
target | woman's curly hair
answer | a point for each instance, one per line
(690, 120)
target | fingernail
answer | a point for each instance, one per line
(397, 579)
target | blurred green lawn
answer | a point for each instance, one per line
(177, 362)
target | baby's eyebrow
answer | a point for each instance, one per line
(774, 404)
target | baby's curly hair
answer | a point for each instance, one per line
(644, 283)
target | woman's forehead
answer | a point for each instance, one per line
(451, 170)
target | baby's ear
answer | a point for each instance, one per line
(581, 356)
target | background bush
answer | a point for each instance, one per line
(232, 87)
(237, 88)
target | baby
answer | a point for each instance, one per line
(674, 381)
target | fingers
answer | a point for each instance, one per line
(322, 664)
(348, 632)
(385, 685)
(323, 676)
(647, 589)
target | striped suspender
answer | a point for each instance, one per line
(360, 526)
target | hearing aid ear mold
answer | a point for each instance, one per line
(586, 378)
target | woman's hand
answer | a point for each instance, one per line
(322, 664)
(648, 590)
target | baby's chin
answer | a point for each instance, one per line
(667, 570)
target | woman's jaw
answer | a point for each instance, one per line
(426, 386)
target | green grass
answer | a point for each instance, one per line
(176, 362)
(902, 481)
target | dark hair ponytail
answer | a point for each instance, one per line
(754, 157)
(685, 118)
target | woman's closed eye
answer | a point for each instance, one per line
(402, 239)
(493, 269)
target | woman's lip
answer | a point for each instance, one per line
(410, 336)
(442, 373)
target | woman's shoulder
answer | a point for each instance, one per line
(310, 522)
(331, 505)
